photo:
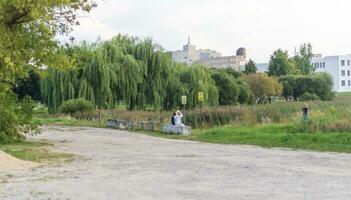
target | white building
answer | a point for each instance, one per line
(188, 55)
(208, 54)
(339, 67)
(211, 58)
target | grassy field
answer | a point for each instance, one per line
(271, 125)
(34, 151)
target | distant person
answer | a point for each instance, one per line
(305, 112)
(173, 119)
(178, 119)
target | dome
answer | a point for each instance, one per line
(241, 52)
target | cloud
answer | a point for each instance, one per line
(225, 25)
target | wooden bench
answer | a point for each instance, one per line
(182, 130)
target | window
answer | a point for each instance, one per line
(317, 65)
(349, 83)
(343, 73)
(348, 72)
(342, 62)
(324, 65)
(348, 62)
(343, 83)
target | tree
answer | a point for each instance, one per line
(250, 67)
(227, 88)
(29, 86)
(303, 59)
(296, 86)
(280, 64)
(263, 86)
(28, 33)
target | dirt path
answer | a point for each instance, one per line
(121, 165)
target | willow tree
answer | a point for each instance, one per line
(196, 79)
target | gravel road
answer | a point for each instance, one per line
(113, 164)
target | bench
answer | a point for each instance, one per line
(118, 124)
(146, 126)
(182, 130)
(125, 124)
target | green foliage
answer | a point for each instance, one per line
(250, 67)
(15, 117)
(320, 84)
(280, 64)
(29, 86)
(76, 105)
(28, 33)
(263, 86)
(126, 70)
(303, 59)
(231, 90)
(309, 97)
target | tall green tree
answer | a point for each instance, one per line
(280, 64)
(29, 86)
(28, 33)
(303, 59)
(250, 67)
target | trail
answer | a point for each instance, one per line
(113, 164)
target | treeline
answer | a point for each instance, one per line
(139, 74)
(127, 71)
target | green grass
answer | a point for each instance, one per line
(278, 136)
(64, 121)
(269, 136)
(34, 151)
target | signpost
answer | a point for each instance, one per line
(201, 99)
(184, 100)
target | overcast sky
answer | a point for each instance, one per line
(225, 25)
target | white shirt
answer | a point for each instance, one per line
(178, 119)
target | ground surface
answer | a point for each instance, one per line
(8, 162)
(120, 165)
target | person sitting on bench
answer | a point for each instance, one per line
(178, 118)
(173, 119)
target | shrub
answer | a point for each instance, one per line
(320, 84)
(227, 87)
(264, 86)
(309, 97)
(76, 105)
(15, 117)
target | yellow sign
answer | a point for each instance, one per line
(200, 96)
(184, 99)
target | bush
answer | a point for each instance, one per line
(15, 117)
(309, 97)
(76, 105)
(320, 84)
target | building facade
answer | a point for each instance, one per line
(188, 55)
(339, 67)
(210, 58)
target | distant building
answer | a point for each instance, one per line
(208, 57)
(188, 55)
(339, 67)
(208, 54)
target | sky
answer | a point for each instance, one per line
(261, 26)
